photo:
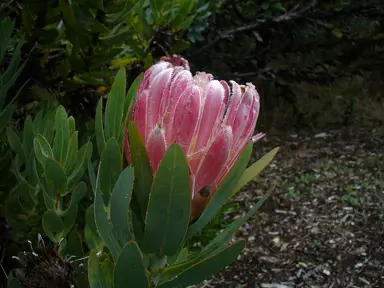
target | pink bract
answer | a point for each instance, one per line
(210, 120)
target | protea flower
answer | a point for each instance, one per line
(211, 121)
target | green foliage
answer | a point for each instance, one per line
(82, 42)
(48, 171)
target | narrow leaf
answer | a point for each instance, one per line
(223, 192)
(115, 106)
(42, 149)
(60, 144)
(15, 143)
(52, 225)
(55, 177)
(131, 97)
(99, 127)
(104, 227)
(226, 235)
(120, 201)
(251, 172)
(110, 167)
(207, 267)
(70, 160)
(142, 168)
(95, 275)
(130, 266)
(169, 204)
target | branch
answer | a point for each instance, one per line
(291, 15)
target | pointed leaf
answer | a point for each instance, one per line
(70, 160)
(131, 96)
(72, 125)
(95, 276)
(55, 177)
(78, 193)
(120, 201)
(206, 268)
(42, 149)
(169, 204)
(92, 176)
(130, 266)
(115, 106)
(223, 192)
(142, 168)
(60, 144)
(52, 225)
(15, 143)
(110, 167)
(251, 172)
(91, 236)
(99, 127)
(107, 270)
(6, 115)
(28, 135)
(104, 227)
(226, 235)
(83, 156)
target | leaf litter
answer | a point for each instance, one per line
(324, 224)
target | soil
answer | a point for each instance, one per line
(324, 224)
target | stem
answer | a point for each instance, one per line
(157, 263)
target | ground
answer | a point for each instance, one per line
(324, 225)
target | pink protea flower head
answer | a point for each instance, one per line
(211, 121)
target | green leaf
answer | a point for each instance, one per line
(13, 71)
(178, 258)
(15, 143)
(131, 97)
(251, 172)
(223, 192)
(107, 269)
(120, 201)
(99, 127)
(224, 237)
(142, 168)
(110, 167)
(60, 144)
(69, 219)
(83, 156)
(70, 160)
(28, 135)
(182, 12)
(72, 125)
(6, 115)
(6, 29)
(52, 225)
(92, 175)
(104, 227)
(78, 193)
(55, 177)
(68, 14)
(91, 235)
(42, 149)
(206, 268)
(74, 247)
(95, 276)
(13, 282)
(48, 131)
(130, 266)
(115, 106)
(169, 204)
